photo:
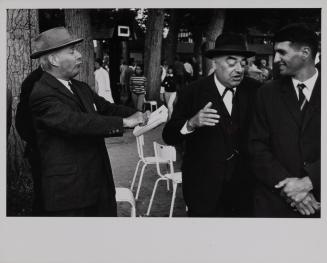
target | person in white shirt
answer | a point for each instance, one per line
(102, 81)
(211, 120)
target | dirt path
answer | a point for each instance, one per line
(123, 157)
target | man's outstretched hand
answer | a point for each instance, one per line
(138, 118)
(205, 117)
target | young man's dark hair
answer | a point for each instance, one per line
(299, 34)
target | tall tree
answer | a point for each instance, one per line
(215, 28)
(170, 43)
(78, 22)
(152, 52)
(22, 26)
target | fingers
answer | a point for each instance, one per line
(282, 183)
(306, 209)
(207, 106)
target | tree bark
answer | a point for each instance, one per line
(78, 22)
(214, 29)
(152, 52)
(22, 27)
(170, 43)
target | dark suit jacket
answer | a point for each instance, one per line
(282, 145)
(206, 149)
(70, 134)
(24, 123)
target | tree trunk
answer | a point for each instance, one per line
(215, 28)
(170, 43)
(152, 53)
(78, 22)
(22, 26)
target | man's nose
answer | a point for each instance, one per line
(78, 55)
(276, 58)
(239, 67)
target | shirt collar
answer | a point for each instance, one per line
(220, 87)
(309, 83)
(66, 84)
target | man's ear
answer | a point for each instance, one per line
(53, 59)
(306, 52)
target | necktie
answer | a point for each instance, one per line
(228, 89)
(302, 99)
(72, 88)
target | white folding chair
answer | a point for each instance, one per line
(168, 153)
(153, 104)
(144, 161)
(125, 195)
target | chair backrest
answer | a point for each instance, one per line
(140, 144)
(164, 153)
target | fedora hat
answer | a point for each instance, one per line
(230, 44)
(51, 40)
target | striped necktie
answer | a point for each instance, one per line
(302, 99)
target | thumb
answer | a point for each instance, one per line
(209, 104)
(281, 183)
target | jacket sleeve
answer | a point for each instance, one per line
(182, 112)
(266, 168)
(313, 171)
(50, 113)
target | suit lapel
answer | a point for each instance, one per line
(289, 97)
(53, 82)
(313, 105)
(87, 105)
(78, 98)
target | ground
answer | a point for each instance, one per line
(123, 156)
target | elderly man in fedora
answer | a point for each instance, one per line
(211, 119)
(71, 122)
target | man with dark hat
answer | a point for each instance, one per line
(285, 135)
(211, 118)
(71, 122)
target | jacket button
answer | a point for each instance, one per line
(304, 163)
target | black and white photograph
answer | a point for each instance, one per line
(163, 124)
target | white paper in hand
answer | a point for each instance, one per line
(156, 118)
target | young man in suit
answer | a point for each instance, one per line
(211, 119)
(71, 122)
(285, 135)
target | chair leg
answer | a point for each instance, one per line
(173, 199)
(140, 181)
(133, 212)
(152, 196)
(135, 173)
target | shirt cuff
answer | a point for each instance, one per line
(184, 130)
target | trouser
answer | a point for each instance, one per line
(138, 100)
(236, 195)
(105, 206)
(34, 161)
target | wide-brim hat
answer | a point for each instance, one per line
(230, 44)
(51, 40)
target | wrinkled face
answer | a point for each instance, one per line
(230, 69)
(67, 62)
(289, 58)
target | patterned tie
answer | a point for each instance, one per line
(302, 99)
